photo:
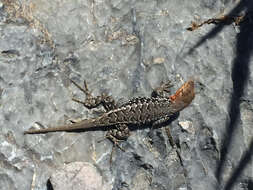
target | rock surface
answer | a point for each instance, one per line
(77, 175)
(126, 48)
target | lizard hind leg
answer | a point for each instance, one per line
(94, 101)
(163, 88)
(118, 134)
(115, 142)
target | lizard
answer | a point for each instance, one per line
(152, 110)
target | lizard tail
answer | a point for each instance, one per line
(85, 124)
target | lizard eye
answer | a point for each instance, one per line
(184, 95)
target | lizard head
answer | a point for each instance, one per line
(184, 95)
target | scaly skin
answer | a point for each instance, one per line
(136, 111)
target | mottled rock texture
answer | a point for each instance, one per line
(126, 48)
(78, 176)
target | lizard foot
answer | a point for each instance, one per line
(115, 142)
(94, 101)
(163, 88)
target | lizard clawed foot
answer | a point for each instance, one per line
(94, 101)
(115, 142)
(85, 89)
(163, 88)
(90, 101)
(174, 146)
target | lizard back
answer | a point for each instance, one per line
(145, 110)
(138, 111)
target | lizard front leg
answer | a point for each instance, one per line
(159, 92)
(163, 88)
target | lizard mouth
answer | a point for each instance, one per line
(184, 95)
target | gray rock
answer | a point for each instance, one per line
(126, 49)
(78, 175)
